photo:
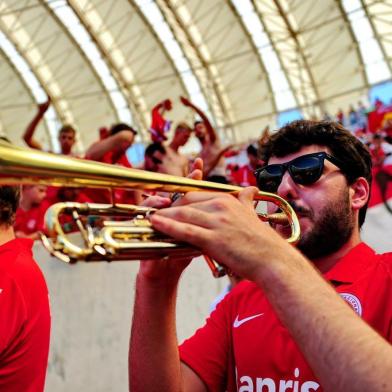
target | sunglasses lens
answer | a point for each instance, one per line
(269, 178)
(306, 170)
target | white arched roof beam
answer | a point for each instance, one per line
(157, 22)
(374, 54)
(379, 14)
(189, 38)
(135, 53)
(280, 88)
(121, 72)
(15, 112)
(224, 44)
(318, 51)
(292, 56)
(79, 36)
(152, 16)
(356, 44)
(31, 67)
(62, 70)
(23, 41)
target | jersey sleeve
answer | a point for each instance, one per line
(207, 352)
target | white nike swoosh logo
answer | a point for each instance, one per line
(237, 322)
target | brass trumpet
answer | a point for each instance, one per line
(116, 240)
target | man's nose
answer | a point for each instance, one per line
(288, 189)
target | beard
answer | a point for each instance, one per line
(331, 230)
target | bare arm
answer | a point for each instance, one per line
(154, 361)
(343, 351)
(28, 135)
(210, 129)
(112, 143)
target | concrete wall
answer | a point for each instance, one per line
(91, 306)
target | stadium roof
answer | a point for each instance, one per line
(244, 62)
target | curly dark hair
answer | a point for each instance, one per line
(342, 144)
(116, 128)
(9, 202)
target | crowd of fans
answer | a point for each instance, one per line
(221, 163)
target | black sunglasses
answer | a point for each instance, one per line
(304, 170)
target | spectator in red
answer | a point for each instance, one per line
(352, 117)
(377, 151)
(159, 125)
(112, 149)
(340, 116)
(381, 152)
(387, 129)
(378, 104)
(24, 307)
(29, 219)
(245, 174)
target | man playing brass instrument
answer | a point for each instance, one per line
(293, 325)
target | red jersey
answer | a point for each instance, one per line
(378, 155)
(32, 220)
(104, 196)
(243, 345)
(159, 126)
(244, 176)
(24, 319)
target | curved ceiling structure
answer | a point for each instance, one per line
(242, 61)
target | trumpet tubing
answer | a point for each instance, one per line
(132, 239)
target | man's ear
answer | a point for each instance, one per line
(360, 193)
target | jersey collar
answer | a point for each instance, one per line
(352, 265)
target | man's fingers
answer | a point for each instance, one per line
(196, 172)
(197, 216)
(198, 197)
(156, 202)
(180, 231)
(247, 195)
(197, 167)
(196, 175)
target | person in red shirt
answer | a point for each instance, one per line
(159, 125)
(295, 323)
(29, 219)
(377, 152)
(112, 149)
(24, 307)
(244, 175)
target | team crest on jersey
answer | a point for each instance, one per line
(353, 301)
